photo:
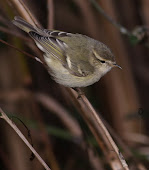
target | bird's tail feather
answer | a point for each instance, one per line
(25, 26)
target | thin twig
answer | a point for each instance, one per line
(21, 51)
(24, 11)
(95, 124)
(19, 133)
(8, 31)
(140, 33)
(122, 29)
(108, 138)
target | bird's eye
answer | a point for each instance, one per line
(102, 61)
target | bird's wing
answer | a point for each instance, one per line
(56, 43)
(57, 47)
(50, 45)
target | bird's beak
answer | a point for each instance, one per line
(115, 65)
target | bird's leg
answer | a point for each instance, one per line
(79, 91)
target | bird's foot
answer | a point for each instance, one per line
(79, 91)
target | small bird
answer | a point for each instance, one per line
(74, 60)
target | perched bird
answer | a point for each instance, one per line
(74, 60)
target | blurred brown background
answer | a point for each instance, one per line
(121, 97)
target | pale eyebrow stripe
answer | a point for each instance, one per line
(96, 55)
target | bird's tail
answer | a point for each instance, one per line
(25, 26)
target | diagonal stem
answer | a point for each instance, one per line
(19, 133)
